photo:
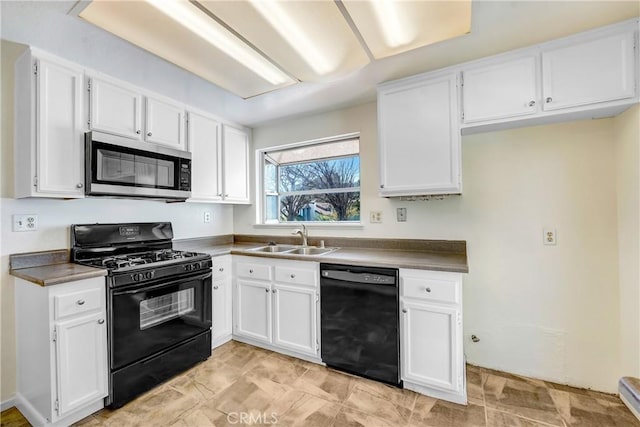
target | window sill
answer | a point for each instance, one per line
(319, 225)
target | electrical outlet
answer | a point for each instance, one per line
(375, 216)
(27, 222)
(207, 216)
(401, 214)
(550, 236)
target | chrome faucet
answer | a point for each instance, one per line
(303, 233)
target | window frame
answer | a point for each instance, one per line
(261, 196)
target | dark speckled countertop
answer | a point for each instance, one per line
(53, 267)
(439, 255)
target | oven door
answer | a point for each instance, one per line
(152, 317)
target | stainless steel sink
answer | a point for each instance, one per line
(274, 248)
(311, 250)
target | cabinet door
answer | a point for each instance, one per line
(115, 109)
(419, 137)
(295, 318)
(500, 90)
(235, 165)
(253, 310)
(431, 354)
(59, 136)
(164, 123)
(81, 356)
(590, 72)
(203, 141)
(221, 305)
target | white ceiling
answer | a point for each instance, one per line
(496, 26)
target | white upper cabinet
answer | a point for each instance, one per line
(597, 70)
(235, 153)
(115, 109)
(500, 90)
(164, 123)
(419, 136)
(203, 141)
(49, 147)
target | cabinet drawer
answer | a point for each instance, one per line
(221, 266)
(431, 289)
(298, 276)
(73, 303)
(253, 271)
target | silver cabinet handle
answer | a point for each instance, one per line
(226, 195)
(428, 290)
(548, 100)
(404, 310)
(266, 290)
(138, 132)
(149, 134)
(80, 302)
(250, 271)
(293, 276)
(381, 185)
(274, 291)
(101, 321)
(219, 194)
(221, 269)
(215, 287)
(79, 185)
(532, 103)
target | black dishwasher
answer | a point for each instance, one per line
(359, 321)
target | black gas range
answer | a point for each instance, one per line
(158, 303)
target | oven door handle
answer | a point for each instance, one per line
(143, 288)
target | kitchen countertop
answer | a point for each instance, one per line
(53, 267)
(445, 260)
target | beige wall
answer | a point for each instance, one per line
(551, 312)
(55, 216)
(627, 149)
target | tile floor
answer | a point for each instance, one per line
(244, 381)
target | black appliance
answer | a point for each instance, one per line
(122, 167)
(359, 321)
(158, 303)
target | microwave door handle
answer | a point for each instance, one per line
(143, 288)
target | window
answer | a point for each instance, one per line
(317, 181)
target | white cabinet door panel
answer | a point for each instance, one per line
(165, 123)
(203, 137)
(236, 164)
(115, 109)
(501, 90)
(419, 137)
(295, 318)
(221, 304)
(82, 361)
(429, 345)
(60, 141)
(595, 71)
(253, 318)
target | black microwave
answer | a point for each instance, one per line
(122, 167)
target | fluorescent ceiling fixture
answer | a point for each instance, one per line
(388, 17)
(196, 21)
(294, 34)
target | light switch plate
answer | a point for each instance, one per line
(28, 222)
(207, 216)
(401, 214)
(375, 216)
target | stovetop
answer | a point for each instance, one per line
(144, 259)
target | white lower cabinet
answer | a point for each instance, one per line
(431, 334)
(221, 301)
(61, 350)
(276, 304)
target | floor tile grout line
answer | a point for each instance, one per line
(527, 418)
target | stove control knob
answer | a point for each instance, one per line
(188, 267)
(136, 277)
(149, 275)
(196, 266)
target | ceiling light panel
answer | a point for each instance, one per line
(389, 27)
(196, 42)
(310, 39)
